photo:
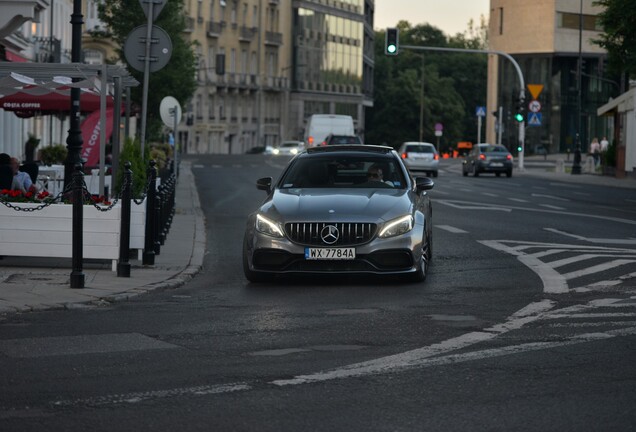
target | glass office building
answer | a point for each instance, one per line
(333, 70)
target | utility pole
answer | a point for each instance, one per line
(576, 165)
(422, 103)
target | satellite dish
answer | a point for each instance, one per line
(166, 110)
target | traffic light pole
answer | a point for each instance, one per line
(522, 93)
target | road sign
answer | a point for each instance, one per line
(166, 111)
(438, 133)
(534, 119)
(534, 106)
(439, 127)
(480, 111)
(160, 48)
(157, 6)
(535, 90)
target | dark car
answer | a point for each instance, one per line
(342, 139)
(343, 209)
(488, 158)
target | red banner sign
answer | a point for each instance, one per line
(91, 135)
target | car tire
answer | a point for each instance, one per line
(251, 275)
(476, 172)
(509, 173)
(498, 174)
(464, 173)
(422, 270)
(434, 173)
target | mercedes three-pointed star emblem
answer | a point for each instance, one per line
(329, 234)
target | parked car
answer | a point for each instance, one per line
(342, 139)
(488, 158)
(333, 212)
(420, 156)
(289, 148)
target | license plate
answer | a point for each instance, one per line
(330, 253)
(496, 164)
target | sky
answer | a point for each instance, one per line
(451, 16)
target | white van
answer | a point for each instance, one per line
(321, 125)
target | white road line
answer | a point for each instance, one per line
(597, 268)
(553, 281)
(198, 166)
(591, 315)
(490, 194)
(582, 193)
(518, 200)
(571, 260)
(451, 229)
(592, 324)
(217, 166)
(550, 196)
(137, 397)
(628, 241)
(459, 358)
(439, 192)
(551, 207)
(547, 253)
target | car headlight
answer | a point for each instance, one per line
(268, 227)
(275, 151)
(397, 227)
(293, 151)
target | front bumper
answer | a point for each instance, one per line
(396, 255)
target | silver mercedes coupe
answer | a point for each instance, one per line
(347, 209)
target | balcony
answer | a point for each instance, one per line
(246, 34)
(215, 29)
(273, 38)
(274, 2)
(47, 50)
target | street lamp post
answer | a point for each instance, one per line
(576, 165)
(74, 145)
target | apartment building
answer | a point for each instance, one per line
(266, 65)
(543, 37)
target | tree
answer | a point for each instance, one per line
(454, 84)
(618, 37)
(177, 78)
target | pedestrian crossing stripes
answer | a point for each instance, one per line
(568, 267)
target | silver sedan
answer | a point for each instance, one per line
(341, 210)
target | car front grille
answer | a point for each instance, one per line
(349, 234)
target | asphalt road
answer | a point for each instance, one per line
(527, 321)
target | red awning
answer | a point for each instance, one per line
(13, 57)
(54, 102)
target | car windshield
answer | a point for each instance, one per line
(493, 149)
(419, 149)
(289, 144)
(336, 139)
(344, 171)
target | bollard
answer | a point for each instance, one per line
(123, 266)
(157, 227)
(149, 241)
(77, 274)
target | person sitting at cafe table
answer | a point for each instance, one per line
(21, 180)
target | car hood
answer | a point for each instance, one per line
(345, 205)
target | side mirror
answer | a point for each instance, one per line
(423, 184)
(265, 184)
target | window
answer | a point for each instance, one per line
(501, 18)
(212, 10)
(573, 21)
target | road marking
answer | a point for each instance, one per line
(591, 315)
(451, 229)
(551, 207)
(518, 200)
(597, 269)
(131, 398)
(628, 241)
(490, 194)
(553, 281)
(458, 358)
(198, 166)
(549, 196)
(472, 206)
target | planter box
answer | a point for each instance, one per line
(49, 232)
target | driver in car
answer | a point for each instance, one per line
(374, 174)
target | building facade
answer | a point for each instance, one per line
(545, 37)
(266, 65)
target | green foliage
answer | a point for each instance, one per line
(55, 154)
(131, 152)
(618, 37)
(177, 78)
(454, 84)
(609, 156)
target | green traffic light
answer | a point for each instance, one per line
(519, 117)
(519, 149)
(391, 49)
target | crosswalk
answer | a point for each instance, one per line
(573, 267)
